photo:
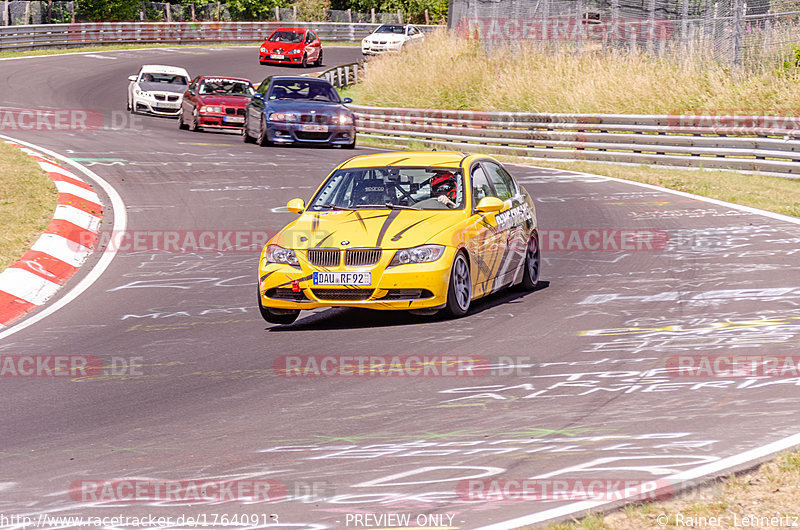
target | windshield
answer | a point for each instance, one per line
(286, 36)
(388, 28)
(150, 77)
(306, 90)
(392, 187)
(228, 87)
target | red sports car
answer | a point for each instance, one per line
(291, 46)
(215, 102)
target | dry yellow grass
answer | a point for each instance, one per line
(770, 491)
(448, 72)
(27, 201)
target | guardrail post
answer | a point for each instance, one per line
(277, 14)
(399, 17)
(6, 21)
(346, 75)
(738, 16)
(372, 15)
(355, 74)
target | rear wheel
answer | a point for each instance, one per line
(277, 316)
(533, 260)
(459, 292)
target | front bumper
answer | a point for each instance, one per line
(288, 59)
(220, 121)
(403, 287)
(159, 109)
(377, 49)
(288, 133)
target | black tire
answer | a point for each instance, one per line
(459, 290)
(282, 316)
(246, 138)
(318, 62)
(263, 137)
(181, 125)
(304, 64)
(351, 145)
(532, 266)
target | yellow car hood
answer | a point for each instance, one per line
(387, 229)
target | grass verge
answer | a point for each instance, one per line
(744, 500)
(446, 72)
(112, 47)
(27, 201)
(774, 194)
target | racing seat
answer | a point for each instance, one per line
(372, 191)
(277, 92)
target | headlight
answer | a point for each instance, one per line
(211, 109)
(421, 254)
(263, 50)
(283, 116)
(276, 254)
(295, 52)
(346, 119)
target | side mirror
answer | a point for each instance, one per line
(131, 78)
(296, 206)
(258, 96)
(490, 204)
(347, 100)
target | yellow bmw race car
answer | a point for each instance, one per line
(419, 231)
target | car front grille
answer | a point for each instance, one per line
(232, 111)
(360, 257)
(323, 257)
(160, 97)
(322, 119)
(286, 294)
(172, 98)
(342, 294)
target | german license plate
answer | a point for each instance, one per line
(233, 119)
(342, 278)
(313, 127)
(277, 57)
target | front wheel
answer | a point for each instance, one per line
(263, 137)
(533, 261)
(304, 64)
(246, 134)
(181, 125)
(459, 292)
(277, 316)
(195, 126)
(318, 62)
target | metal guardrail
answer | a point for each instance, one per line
(765, 144)
(345, 75)
(33, 37)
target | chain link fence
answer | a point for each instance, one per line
(21, 12)
(734, 31)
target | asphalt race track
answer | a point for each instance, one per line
(585, 393)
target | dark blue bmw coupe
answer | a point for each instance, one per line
(287, 110)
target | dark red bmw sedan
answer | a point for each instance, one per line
(215, 102)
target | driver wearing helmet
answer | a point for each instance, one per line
(443, 187)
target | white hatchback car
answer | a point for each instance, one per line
(157, 89)
(390, 38)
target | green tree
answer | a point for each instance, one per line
(253, 9)
(108, 10)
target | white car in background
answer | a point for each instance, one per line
(390, 38)
(157, 89)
